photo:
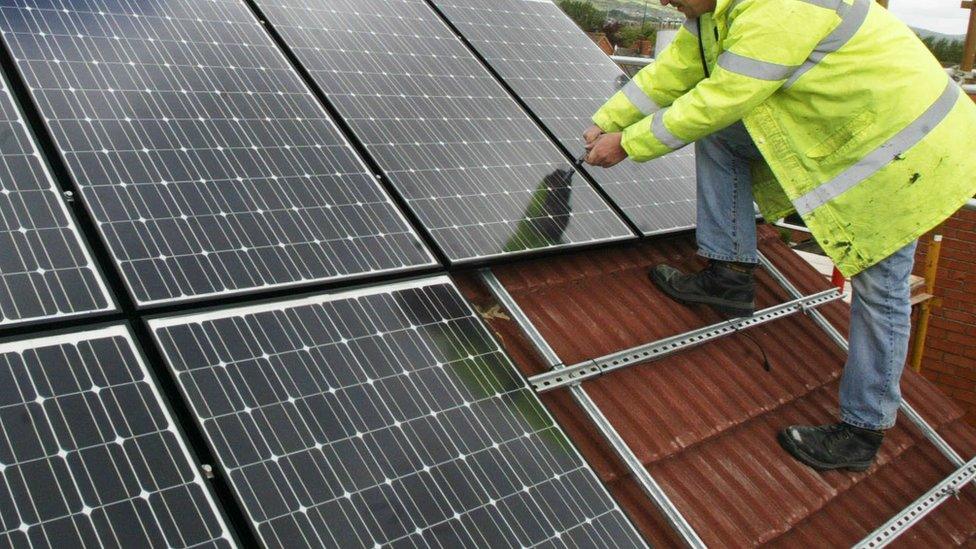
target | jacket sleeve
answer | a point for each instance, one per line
(767, 41)
(675, 71)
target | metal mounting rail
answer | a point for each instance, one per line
(571, 375)
(647, 483)
(631, 60)
(828, 328)
(924, 505)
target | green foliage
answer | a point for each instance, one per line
(946, 51)
(619, 15)
(632, 33)
(586, 16)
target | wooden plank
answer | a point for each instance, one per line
(969, 47)
(921, 298)
(915, 282)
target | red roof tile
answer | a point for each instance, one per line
(704, 421)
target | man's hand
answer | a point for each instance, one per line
(591, 134)
(606, 151)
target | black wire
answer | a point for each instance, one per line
(766, 364)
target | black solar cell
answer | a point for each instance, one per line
(564, 78)
(384, 416)
(477, 171)
(208, 165)
(45, 269)
(90, 456)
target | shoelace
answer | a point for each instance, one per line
(835, 435)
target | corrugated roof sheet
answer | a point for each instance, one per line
(704, 421)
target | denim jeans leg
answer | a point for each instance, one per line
(726, 215)
(880, 327)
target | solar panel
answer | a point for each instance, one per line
(90, 456)
(45, 269)
(208, 165)
(478, 172)
(383, 416)
(564, 78)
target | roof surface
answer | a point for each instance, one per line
(704, 421)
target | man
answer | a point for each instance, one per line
(832, 109)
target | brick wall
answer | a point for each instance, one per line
(950, 352)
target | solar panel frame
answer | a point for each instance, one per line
(79, 434)
(316, 56)
(563, 78)
(358, 179)
(352, 325)
(30, 249)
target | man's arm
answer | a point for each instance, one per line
(767, 41)
(675, 71)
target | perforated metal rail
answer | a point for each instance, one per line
(657, 350)
(921, 507)
(644, 479)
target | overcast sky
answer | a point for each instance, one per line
(943, 16)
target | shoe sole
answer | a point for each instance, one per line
(723, 306)
(787, 443)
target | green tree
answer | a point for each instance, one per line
(948, 52)
(628, 35)
(586, 16)
(632, 33)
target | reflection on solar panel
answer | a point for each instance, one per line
(480, 175)
(208, 165)
(564, 78)
(90, 456)
(45, 270)
(386, 415)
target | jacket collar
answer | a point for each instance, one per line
(722, 7)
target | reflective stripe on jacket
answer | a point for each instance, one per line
(866, 136)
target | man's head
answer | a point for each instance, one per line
(691, 8)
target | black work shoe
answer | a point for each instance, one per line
(836, 446)
(728, 288)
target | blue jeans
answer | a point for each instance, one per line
(880, 308)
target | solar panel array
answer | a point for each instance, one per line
(45, 269)
(478, 172)
(208, 165)
(564, 78)
(386, 416)
(90, 455)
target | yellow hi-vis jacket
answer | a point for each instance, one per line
(867, 137)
